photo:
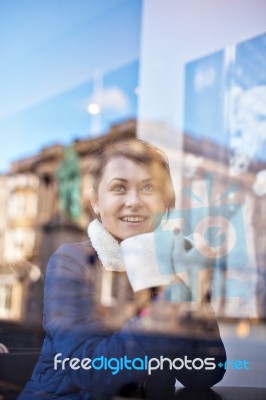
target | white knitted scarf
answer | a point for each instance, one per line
(106, 246)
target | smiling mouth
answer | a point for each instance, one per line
(133, 219)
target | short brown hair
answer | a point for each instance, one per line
(138, 151)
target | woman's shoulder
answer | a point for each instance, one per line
(82, 253)
(72, 261)
(71, 248)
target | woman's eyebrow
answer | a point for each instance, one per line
(118, 179)
(147, 180)
(125, 180)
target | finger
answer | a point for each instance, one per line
(178, 251)
(179, 241)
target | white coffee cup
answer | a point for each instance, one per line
(141, 259)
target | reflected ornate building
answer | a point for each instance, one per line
(32, 226)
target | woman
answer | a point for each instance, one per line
(131, 184)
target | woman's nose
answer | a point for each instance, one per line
(133, 199)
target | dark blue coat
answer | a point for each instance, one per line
(75, 328)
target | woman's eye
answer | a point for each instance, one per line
(148, 188)
(118, 188)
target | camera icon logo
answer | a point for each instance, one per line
(220, 227)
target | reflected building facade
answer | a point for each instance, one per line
(33, 226)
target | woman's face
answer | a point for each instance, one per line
(128, 198)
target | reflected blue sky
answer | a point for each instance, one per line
(50, 51)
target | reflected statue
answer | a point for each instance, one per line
(68, 177)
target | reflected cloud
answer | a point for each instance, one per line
(111, 99)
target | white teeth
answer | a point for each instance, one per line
(133, 219)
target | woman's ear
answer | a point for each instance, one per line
(94, 202)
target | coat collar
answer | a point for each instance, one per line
(106, 246)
